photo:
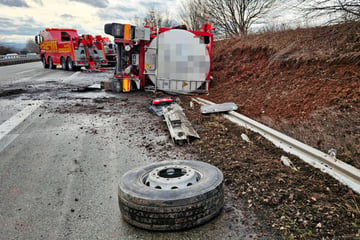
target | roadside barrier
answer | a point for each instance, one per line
(6, 60)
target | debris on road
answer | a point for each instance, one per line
(218, 108)
(93, 87)
(245, 137)
(9, 92)
(287, 162)
(157, 105)
(179, 126)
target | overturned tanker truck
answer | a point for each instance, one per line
(167, 59)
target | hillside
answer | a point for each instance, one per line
(303, 82)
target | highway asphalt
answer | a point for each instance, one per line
(63, 151)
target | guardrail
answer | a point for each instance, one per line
(10, 60)
(339, 170)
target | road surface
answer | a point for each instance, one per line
(64, 149)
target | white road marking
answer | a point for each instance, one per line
(18, 118)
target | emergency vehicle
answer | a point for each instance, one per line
(109, 48)
(168, 59)
(66, 48)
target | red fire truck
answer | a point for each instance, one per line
(109, 48)
(167, 59)
(66, 48)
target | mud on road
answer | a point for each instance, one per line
(74, 149)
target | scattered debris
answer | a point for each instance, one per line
(245, 137)
(191, 104)
(179, 126)
(287, 162)
(157, 105)
(9, 92)
(93, 87)
(217, 108)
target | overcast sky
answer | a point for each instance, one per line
(21, 20)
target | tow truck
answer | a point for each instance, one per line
(64, 47)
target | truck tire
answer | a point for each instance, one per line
(70, 64)
(63, 63)
(171, 195)
(51, 63)
(45, 65)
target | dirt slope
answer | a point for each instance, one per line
(305, 83)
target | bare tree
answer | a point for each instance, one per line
(192, 14)
(32, 47)
(167, 20)
(234, 17)
(5, 50)
(340, 10)
(155, 18)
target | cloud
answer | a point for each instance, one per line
(67, 16)
(14, 3)
(39, 2)
(94, 3)
(151, 4)
(117, 13)
(6, 23)
(23, 26)
(158, 4)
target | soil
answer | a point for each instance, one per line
(306, 84)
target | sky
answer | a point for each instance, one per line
(21, 20)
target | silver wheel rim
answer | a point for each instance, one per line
(171, 177)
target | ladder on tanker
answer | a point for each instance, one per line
(156, 48)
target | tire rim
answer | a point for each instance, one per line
(171, 177)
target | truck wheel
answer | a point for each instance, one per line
(45, 65)
(51, 63)
(171, 195)
(63, 63)
(70, 64)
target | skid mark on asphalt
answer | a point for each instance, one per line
(14, 121)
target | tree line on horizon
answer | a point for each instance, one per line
(30, 47)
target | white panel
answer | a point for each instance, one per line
(183, 61)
